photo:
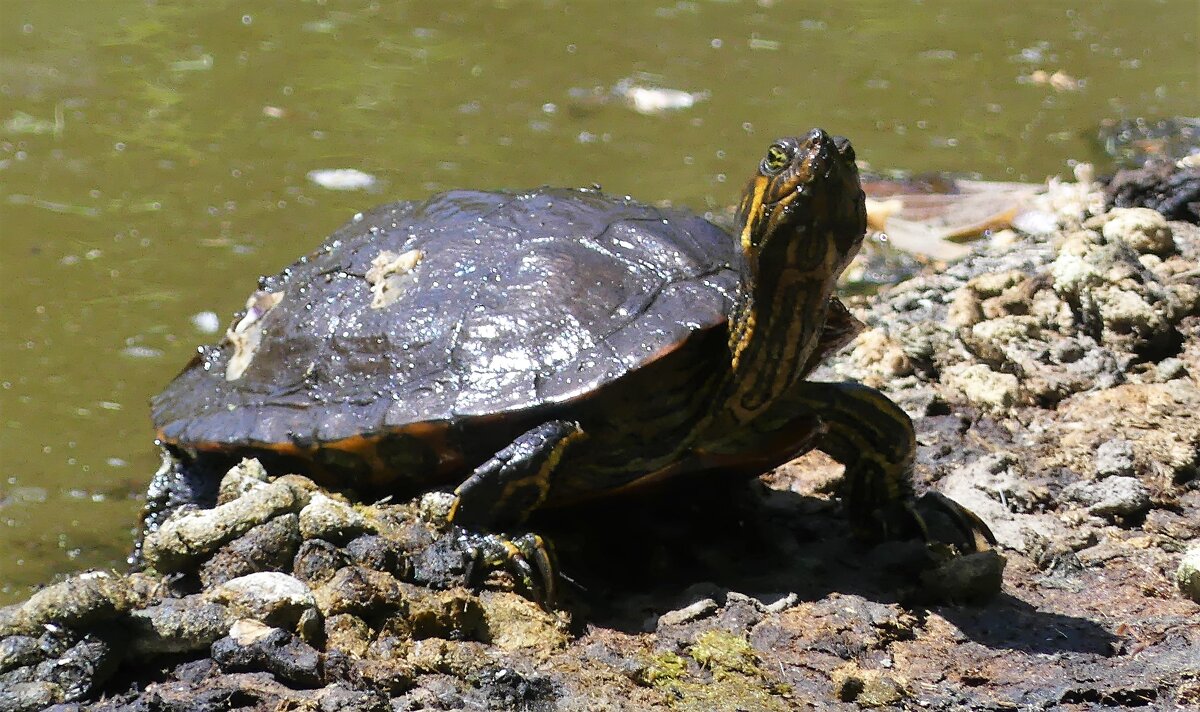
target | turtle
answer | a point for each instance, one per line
(541, 348)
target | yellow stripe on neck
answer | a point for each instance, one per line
(753, 214)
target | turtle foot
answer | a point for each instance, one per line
(959, 562)
(528, 559)
(941, 520)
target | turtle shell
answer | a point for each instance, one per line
(471, 307)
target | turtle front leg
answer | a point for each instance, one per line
(506, 490)
(874, 438)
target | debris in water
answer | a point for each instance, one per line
(343, 179)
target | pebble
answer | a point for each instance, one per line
(1112, 497)
(247, 475)
(272, 597)
(512, 622)
(974, 577)
(29, 696)
(867, 688)
(177, 625)
(18, 650)
(1143, 229)
(267, 547)
(1115, 458)
(80, 601)
(332, 520)
(253, 647)
(317, 561)
(1187, 576)
(1169, 369)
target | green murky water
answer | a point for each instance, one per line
(153, 160)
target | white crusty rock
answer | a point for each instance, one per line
(191, 534)
(274, 598)
(1143, 229)
(331, 519)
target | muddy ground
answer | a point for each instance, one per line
(1053, 379)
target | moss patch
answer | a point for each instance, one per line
(719, 673)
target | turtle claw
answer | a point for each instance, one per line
(936, 519)
(941, 520)
(527, 558)
(959, 561)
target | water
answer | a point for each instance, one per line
(154, 159)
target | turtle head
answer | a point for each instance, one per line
(803, 210)
(800, 223)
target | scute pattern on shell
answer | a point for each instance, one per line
(518, 300)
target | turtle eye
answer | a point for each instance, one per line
(778, 157)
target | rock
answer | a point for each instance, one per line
(868, 688)
(1117, 299)
(972, 578)
(1169, 187)
(435, 507)
(1169, 369)
(514, 622)
(274, 598)
(965, 309)
(993, 284)
(381, 554)
(317, 561)
(1187, 576)
(1111, 497)
(81, 669)
(450, 657)
(29, 696)
(780, 604)
(1143, 229)
(17, 651)
(1007, 329)
(177, 625)
(267, 547)
(340, 698)
(332, 520)
(347, 634)
(188, 535)
(455, 613)
(1115, 458)
(247, 475)
(80, 601)
(361, 591)
(252, 647)
(983, 386)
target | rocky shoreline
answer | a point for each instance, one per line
(1053, 378)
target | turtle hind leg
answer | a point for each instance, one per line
(516, 480)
